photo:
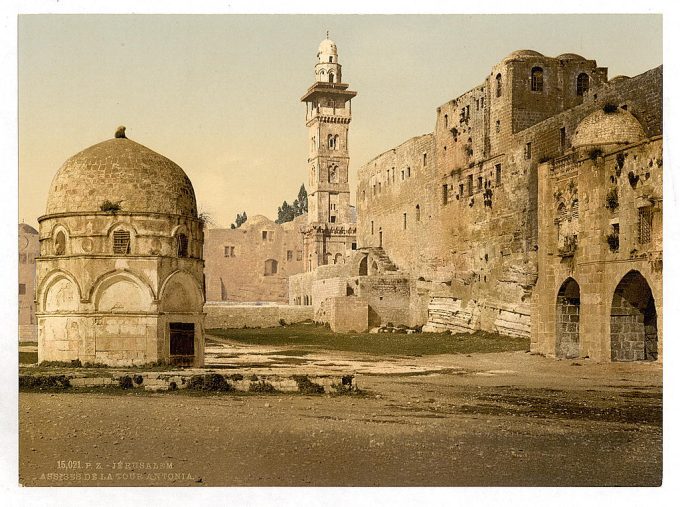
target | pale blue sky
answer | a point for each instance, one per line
(219, 94)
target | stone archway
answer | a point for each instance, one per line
(567, 314)
(363, 266)
(633, 320)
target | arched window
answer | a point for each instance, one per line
(582, 84)
(330, 77)
(121, 242)
(60, 243)
(335, 142)
(417, 212)
(271, 267)
(446, 121)
(182, 245)
(331, 142)
(499, 85)
(537, 79)
(330, 59)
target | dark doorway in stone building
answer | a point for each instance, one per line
(363, 266)
(567, 319)
(633, 320)
(181, 343)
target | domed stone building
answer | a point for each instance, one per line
(120, 272)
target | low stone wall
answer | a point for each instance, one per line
(226, 315)
(347, 313)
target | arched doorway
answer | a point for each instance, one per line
(633, 320)
(363, 266)
(567, 319)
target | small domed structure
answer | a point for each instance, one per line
(327, 47)
(608, 130)
(121, 171)
(521, 54)
(120, 272)
(569, 57)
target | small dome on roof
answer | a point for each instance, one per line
(569, 57)
(521, 54)
(601, 129)
(328, 47)
(618, 78)
(121, 171)
(27, 229)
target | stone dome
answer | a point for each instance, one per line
(601, 128)
(121, 171)
(570, 57)
(27, 229)
(328, 47)
(522, 53)
(618, 78)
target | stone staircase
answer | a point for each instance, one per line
(378, 254)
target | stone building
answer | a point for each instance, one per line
(599, 289)
(29, 249)
(120, 272)
(448, 226)
(253, 262)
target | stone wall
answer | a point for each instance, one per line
(254, 261)
(347, 313)
(29, 249)
(476, 241)
(233, 315)
(616, 258)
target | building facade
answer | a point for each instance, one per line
(252, 263)
(120, 272)
(29, 250)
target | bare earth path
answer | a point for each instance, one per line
(491, 419)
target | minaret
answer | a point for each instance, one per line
(330, 229)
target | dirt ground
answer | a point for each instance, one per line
(501, 419)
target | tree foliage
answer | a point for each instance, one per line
(240, 220)
(287, 212)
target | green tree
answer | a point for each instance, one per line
(240, 220)
(288, 212)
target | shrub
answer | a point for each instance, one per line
(138, 379)
(595, 153)
(612, 199)
(209, 382)
(261, 387)
(306, 386)
(125, 382)
(110, 207)
(610, 108)
(44, 382)
(282, 322)
(633, 179)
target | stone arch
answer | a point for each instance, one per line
(633, 321)
(537, 79)
(363, 266)
(122, 292)
(180, 293)
(337, 259)
(567, 316)
(58, 292)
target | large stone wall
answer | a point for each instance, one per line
(234, 315)
(477, 242)
(239, 263)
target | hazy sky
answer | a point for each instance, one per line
(220, 94)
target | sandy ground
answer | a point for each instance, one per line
(484, 420)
